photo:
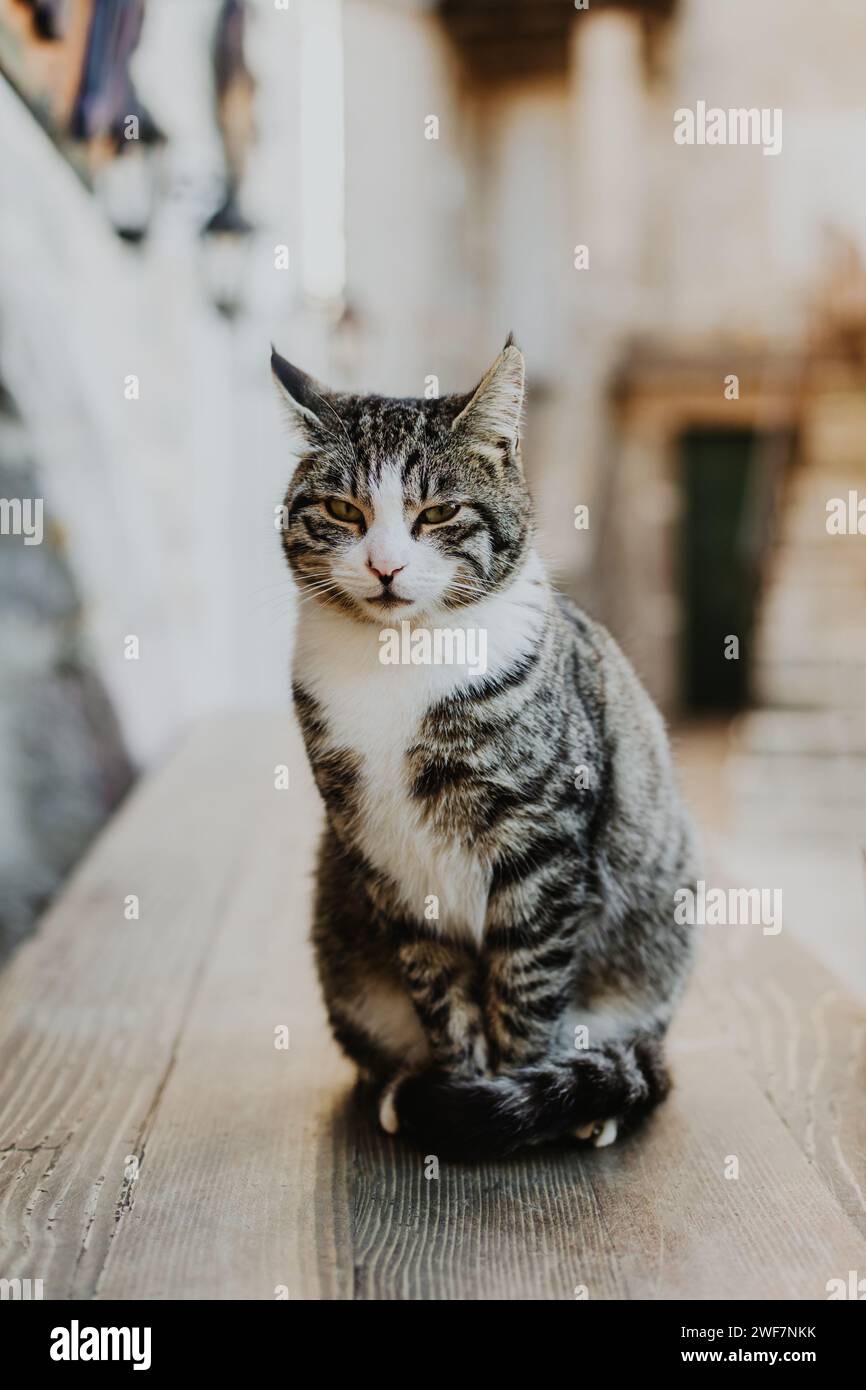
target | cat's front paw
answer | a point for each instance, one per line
(600, 1132)
(469, 1064)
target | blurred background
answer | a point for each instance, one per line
(385, 188)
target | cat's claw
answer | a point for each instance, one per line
(605, 1134)
(388, 1109)
(601, 1132)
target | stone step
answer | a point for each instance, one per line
(829, 779)
(833, 642)
(809, 685)
(820, 560)
(809, 522)
(811, 489)
(800, 732)
(804, 605)
(826, 827)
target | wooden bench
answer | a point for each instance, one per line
(155, 1142)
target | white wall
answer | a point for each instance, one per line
(168, 501)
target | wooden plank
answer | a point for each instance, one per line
(244, 1187)
(91, 1009)
(803, 1039)
(655, 1217)
(259, 1172)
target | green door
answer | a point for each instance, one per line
(718, 573)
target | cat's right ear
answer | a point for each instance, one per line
(304, 399)
(493, 410)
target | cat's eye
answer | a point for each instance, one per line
(342, 510)
(432, 516)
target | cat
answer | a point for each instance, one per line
(494, 921)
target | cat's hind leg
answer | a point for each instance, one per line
(379, 1029)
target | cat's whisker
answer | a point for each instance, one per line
(325, 582)
(311, 591)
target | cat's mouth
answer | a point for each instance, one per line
(388, 600)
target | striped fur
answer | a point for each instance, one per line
(494, 924)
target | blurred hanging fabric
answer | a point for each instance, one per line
(107, 95)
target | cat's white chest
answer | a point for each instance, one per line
(376, 711)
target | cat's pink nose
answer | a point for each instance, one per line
(386, 575)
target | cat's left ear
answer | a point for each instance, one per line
(493, 411)
(306, 399)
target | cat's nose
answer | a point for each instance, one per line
(385, 576)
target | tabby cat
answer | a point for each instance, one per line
(494, 925)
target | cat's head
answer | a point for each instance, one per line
(403, 508)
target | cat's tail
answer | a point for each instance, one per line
(596, 1095)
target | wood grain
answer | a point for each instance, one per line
(244, 1188)
(261, 1173)
(803, 1040)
